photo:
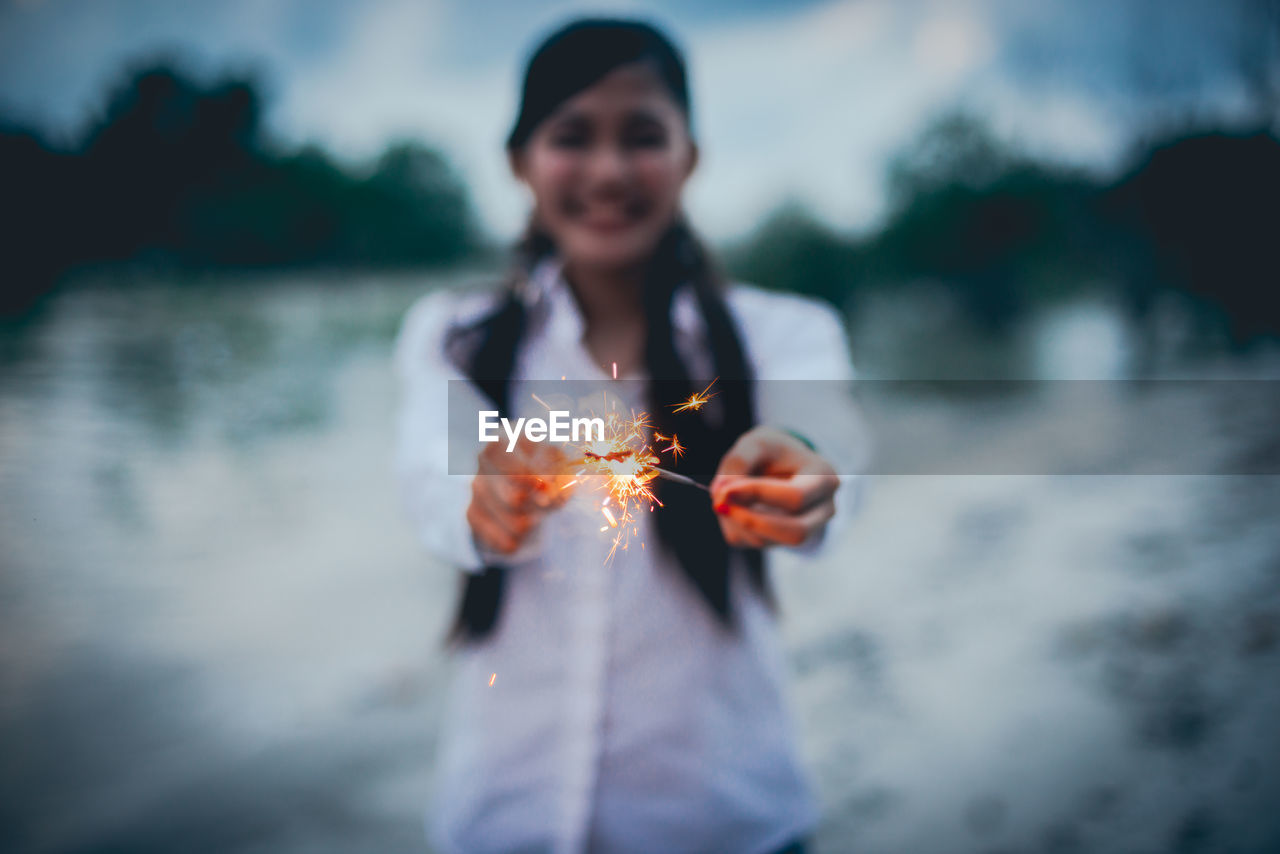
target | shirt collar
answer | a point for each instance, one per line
(549, 299)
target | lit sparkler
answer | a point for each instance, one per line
(696, 400)
(628, 458)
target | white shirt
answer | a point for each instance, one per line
(622, 716)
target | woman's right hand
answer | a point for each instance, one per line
(513, 492)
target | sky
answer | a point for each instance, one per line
(793, 101)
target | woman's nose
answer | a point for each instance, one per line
(608, 164)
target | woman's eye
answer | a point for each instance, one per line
(647, 139)
(644, 134)
(569, 140)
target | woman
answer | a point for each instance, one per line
(635, 705)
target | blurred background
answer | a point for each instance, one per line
(217, 632)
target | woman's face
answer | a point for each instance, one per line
(607, 168)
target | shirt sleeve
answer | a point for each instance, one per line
(805, 375)
(434, 500)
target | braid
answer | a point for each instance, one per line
(487, 351)
(688, 527)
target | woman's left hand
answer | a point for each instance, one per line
(772, 489)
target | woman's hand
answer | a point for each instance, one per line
(772, 489)
(512, 493)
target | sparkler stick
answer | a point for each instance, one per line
(674, 477)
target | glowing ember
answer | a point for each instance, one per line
(695, 401)
(492, 677)
(624, 460)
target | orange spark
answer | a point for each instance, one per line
(696, 400)
(492, 677)
(624, 459)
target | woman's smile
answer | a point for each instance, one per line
(605, 216)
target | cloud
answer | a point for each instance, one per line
(804, 103)
(812, 106)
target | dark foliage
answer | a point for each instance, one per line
(1194, 219)
(1206, 210)
(177, 173)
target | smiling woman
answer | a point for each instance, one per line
(638, 705)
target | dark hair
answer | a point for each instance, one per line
(570, 60)
(579, 54)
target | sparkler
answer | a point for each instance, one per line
(695, 401)
(676, 477)
(628, 459)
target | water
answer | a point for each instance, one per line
(217, 633)
(214, 621)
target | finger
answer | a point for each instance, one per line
(539, 458)
(738, 536)
(500, 463)
(782, 530)
(535, 470)
(735, 534)
(516, 521)
(744, 455)
(509, 491)
(769, 527)
(794, 494)
(489, 533)
(496, 459)
(528, 493)
(552, 460)
(773, 491)
(553, 482)
(510, 479)
(761, 450)
(519, 461)
(560, 489)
